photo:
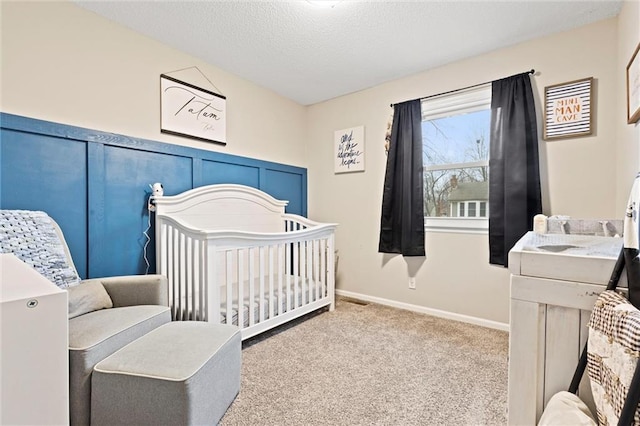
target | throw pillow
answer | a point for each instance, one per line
(87, 297)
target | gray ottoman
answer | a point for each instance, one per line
(182, 373)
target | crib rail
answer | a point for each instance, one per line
(253, 280)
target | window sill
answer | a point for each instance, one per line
(457, 225)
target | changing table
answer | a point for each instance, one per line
(555, 280)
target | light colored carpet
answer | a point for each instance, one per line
(373, 365)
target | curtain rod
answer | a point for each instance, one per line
(532, 71)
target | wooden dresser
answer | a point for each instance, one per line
(553, 290)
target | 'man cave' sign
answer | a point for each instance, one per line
(567, 109)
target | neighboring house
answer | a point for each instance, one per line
(469, 199)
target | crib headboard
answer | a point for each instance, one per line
(224, 207)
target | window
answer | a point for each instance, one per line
(471, 208)
(455, 135)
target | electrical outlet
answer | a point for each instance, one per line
(412, 283)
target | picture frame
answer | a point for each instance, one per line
(191, 111)
(349, 150)
(633, 88)
(568, 109)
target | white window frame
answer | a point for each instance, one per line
(462, 209)
(464, 101)
(466, 208)
(486, 208)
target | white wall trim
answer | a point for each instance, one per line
(464, 225)
(423, 310)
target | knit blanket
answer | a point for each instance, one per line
(32, 238)
(613, 352)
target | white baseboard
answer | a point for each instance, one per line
(429, 311)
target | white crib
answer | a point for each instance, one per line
(232, 255)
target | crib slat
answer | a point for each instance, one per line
(282, 257)
(309, 264)
(197, 277)
(323, 266)
(287, 277)
(186, 274)
(252, 289)
(182, 280)
(272, 273)
(176, 273)
(240, 284)
(296, 251)
(316, 271)
(320, 270)
(261, 272)
(197, 260)
(187, 277)
(169, 275)
(161, 244)
(303, 274)
(202, 280)
(331, 284)
(188, 304)
(165, 264)
(176, 280)
(304, 271)
(311, 252)
(192, 277)
(229, 283)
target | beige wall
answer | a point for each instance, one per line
(64, 64)
(628, 136)
(579, 175)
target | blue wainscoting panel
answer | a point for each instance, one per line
(287, 185)
(214, 172)
(49, 174)
(128, 173)
(96, 185)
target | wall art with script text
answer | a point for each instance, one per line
(187, 110)
(349, 150)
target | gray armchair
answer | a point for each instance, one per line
(105, 314)
(138, 306)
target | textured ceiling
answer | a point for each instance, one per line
(310, 54)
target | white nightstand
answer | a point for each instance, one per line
(34, 354)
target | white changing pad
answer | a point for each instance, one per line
(581, 245)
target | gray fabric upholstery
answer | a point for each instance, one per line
(86, 298)
(140, 305)
(183, 373)
(132, 290)
(96, 335)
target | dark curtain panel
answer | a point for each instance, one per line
(402, 221)
(632, 243)
(514, 182)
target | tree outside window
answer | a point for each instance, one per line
(456, 155)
